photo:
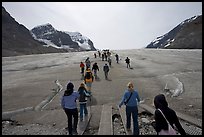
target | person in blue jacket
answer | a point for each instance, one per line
(131, 100)
(69, 105)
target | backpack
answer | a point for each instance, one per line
(88, 77)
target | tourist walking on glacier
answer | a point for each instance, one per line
(117, 58)
(163, 114)
(68, 103)
(95, 55)
(127, 60)
(83, 101)
(102, 57)
(99, 53)
(88, 63)
(106, 70)
(82, 70)
(95, 68)
(131, 100)
(109, 61)
(88, 79)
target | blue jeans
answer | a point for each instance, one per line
(133, 110)
(88, 85)
(83, 110)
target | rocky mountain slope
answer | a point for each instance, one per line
(186, 35)
(61, 39)
(17, 40)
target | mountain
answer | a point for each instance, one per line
(61, 39)
(186, 35)
(82, 41)
(17, 40)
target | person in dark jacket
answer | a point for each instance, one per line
(109, 61)
(95, 68)
(127, 60)
(106, 70)
(88, 63)
(68, 103)
(83, 100)
(160, 122)
(117, 58)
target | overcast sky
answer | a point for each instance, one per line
(113, 25)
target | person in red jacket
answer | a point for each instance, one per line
(82, 70)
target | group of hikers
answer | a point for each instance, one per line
(164, 116)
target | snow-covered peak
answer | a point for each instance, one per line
(189, 20)
(43, 25)
(80, 39)
(45, 28)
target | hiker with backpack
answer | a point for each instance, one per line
(88, 79)
(83, 101)
(131, 100)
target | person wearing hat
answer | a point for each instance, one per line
(131, 100)
(68, 103)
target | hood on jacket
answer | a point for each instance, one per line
(160, 101)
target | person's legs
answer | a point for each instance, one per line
(85, 110)
(95, 74)
(105, 75)
(69, 119)
(81, 111)
(128, 117)
(135, 121)
(128, 65)
(75, 115)
(88, 85)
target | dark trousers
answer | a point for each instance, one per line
(106, 74)
(128, 65)
(72, 113)
(134, 112)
